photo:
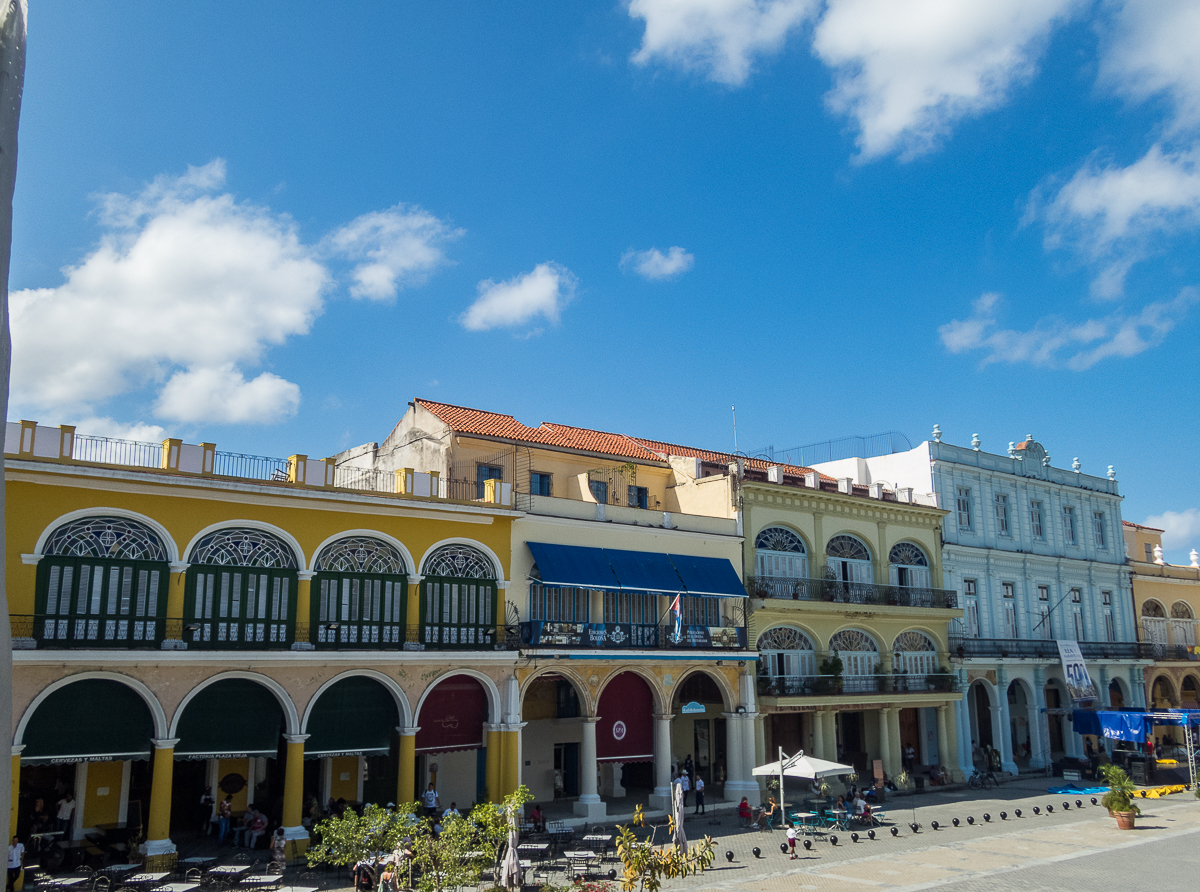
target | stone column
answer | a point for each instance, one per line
(16, 789)
(158, 824)
(963, 726)
(493, 762)
(739, 779)
(293, 788)
(1006, 750)
(589, 805)
(894, 735)
(818, 733)
(661, 797)
(831, 750)
(885, 741)
(510, 763)
(412, 610)
(943, 737)
(406, 771)
(1039, 735)
(304, 612)
(1102, 673)
(173, 637)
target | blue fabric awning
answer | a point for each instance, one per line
(714, 577)
(614, 569)
(644, 571)
(573, 565)
(1128, 725)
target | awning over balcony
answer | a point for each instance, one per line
(614, 569)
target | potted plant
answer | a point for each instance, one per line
(1119, 798)
(831, 668)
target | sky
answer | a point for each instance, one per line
(271, 225)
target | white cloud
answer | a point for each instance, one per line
(719, 38)
(542, 292)
(1111, 213)
(1181, 529)
(397, 248)
(1055, 342)
(184, 282)
(905, 72)
(654, 264)
(223, 395)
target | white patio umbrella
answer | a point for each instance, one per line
(680, 836)
(802, 766)
(510, 868)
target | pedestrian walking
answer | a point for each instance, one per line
(684, 785)
(699, 795)
(430, 801)
(791, 837)
(16, 861)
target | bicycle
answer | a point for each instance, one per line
(981, 780)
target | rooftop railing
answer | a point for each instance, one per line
(836, 591)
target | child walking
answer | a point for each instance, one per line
(791, 836)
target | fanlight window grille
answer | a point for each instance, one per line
(779, 539)
(847, 548)
(460, 562)
(912, 641)
(1181, 610)
(361, 554)
(858, 651)
(786, 652)
(908, 554)
(244, 548)
(106, 537)
(914, 653)
(1153, 608)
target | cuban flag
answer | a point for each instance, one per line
(678, 618)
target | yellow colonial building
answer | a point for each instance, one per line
(274, 630)
(1166, 600)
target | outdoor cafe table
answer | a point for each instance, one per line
(145, 879)
(598, 839)
(119, 868)
(537, 850)
(840, 815)
(583, 854)
(67, 882)
(197, 860)
(177, 887)
(228, 870)
(807, 820)
(261, 879)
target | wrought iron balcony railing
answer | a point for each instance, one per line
(855, 685)
(833, 590)
(78, 632)
(1042, 649)
(626, 636)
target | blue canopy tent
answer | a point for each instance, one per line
(1137, 725)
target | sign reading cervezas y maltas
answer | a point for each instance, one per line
(1079, 683)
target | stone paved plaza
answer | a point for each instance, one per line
(1073, 849)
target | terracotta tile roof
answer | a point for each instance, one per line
(1139, 526)
(493, 424)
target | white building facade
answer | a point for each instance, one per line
(1037, 555)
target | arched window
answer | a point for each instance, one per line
(1183, 625)
(240, 590)
(859, 654)
(908, 566)
(786, 653)
(780, 556)
(458, 598)
(914, 653)
(1153, 609)
(101, 583)
(360, 593)
(848, 560)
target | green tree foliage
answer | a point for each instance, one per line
(647, 865)
(429, 861)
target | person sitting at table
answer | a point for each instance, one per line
(866, 816)
(452, 810)
(840, 805)
(257, 827)
(765, 814)
(859, 804)
(537, 819)
(744, 814)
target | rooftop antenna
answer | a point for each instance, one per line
(735, 427)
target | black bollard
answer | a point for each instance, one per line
(1049, 809)
(612, 873)
(1036, 810)
(833, 840)
(933, 824)
(1079, 803)
(870, 834)
(807, 844)
(987, 818)
(970, 820)
(783, 847)
(1017, 812)
(1066, 806)
(728, 857)
(955, 822)
(1003, 816)
(1093, 800)
(895, 831)
(914, 827)
(854, 837)
(757, 852)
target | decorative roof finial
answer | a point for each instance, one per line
(1046, 460)
(1158, 555)
(1012, 449)
(1195, 556)
(975, 442)
(937, 434)
(1112, 475)
(1075, 465)
(1029, 438)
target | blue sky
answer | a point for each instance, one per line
(271, 225)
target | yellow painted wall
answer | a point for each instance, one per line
(34, 500)
(102, 798)
(234, 766)
(343, 778)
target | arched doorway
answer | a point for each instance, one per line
(979, 696)
(241, 591)
(699, 729)
(451, 741)
(458, 598)
(625, 735)
(359, 594)
(1116, 694)
(91, 738)
(230, 733)
(1188, 698)
(353, 743)
(102, 583)
(553, 711)
(1056, 705)
(1022, 733)
(1162, 693)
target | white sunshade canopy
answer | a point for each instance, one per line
(803, 766)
